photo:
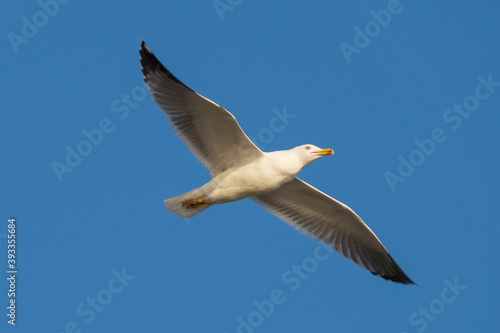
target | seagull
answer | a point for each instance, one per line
(239, 169)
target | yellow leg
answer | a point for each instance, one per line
(194, 203)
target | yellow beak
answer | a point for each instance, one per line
(327, 151)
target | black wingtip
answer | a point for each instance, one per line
(145, 49)
(403, 279)
(151, 65)
(148, 61)
(397, 274)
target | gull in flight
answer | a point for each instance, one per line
(241, 170)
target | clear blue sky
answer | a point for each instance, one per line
(406, 93)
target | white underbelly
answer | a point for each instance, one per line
(256, 178)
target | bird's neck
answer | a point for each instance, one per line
(287, 162)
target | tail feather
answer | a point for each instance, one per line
(175, 204)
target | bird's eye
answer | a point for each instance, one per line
(307, 147)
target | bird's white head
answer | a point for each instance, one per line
(310, 153)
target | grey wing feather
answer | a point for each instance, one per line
(329, 221)
(208, 130)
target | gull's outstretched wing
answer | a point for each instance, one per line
(210, 132)
(329, 221)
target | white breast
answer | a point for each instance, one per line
(263, 175)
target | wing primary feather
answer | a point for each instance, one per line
(210, 132)
(325, 219)
(151, 64)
